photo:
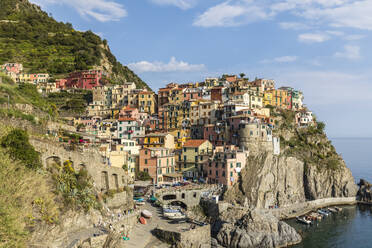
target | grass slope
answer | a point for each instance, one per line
(32, 37)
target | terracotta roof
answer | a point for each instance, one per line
(127, 119)
(194, 143)
(146, 93)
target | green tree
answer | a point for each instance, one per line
(19, 148)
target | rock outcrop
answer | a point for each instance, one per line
(365, 191)
(270, 180)
(257, 230)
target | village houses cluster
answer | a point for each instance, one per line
(200, 131)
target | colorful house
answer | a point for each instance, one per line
(195, 154)
(159, 163)
(85, 79)
(225, 166)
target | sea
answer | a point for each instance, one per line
(351, 228)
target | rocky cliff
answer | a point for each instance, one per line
(308, 168)
(243, 229)
(365, 191)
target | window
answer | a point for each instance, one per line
(183, 196)
(223, 174)
(231, 174)
(184, 149)
(196, 149)
(145, 161)
(231, 165)
(145, 152)
(216, 173)
(184, 157)
(210, 172)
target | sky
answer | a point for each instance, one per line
(320, 47)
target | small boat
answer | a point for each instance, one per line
(171, 212)
(142, 220)
(140, 203)
(178, 216)
(332, 210)
(146, 214)
(303, 220)
(322, 212)
(338, 209)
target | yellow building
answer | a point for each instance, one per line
(195, 154)
(276, 98)
(146, 102)
(180, 136)
(157, 140)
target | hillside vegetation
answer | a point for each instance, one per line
(32, 37)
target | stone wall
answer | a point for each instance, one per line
(199, 237)
(191, 198)
(105, 177)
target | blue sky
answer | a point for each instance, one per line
(318, 46)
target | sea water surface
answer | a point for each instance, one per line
(353, 226)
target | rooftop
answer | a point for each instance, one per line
(194, 143)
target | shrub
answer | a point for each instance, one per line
(143, 176)
(75, 188)
(19, 148)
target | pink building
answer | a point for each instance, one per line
(128, 112)
(159, 163)
(61, 83)
(225, 165)
(215, 134)
(85, 79)
(12, 67)
(192, 94)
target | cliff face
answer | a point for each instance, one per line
(270, 180)
(308, 168)
(254, 229)
(365, 191)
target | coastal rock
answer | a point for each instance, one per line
(365, 191)
(269, 181)
(256, 230)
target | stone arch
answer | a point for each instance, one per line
(169, 197)
(104, 181)
(115, 179)
(81, 166)
(52, 160)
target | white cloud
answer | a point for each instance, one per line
(283, 59)
(313, 37)
(293, 25)
(354, 14)
(349, 52)
(172, 66)
(334, 13)
(227, 14)
(101, 10)
(182, 4)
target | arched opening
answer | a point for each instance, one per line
(104, 181)
(82, 166)
(53, 164)
(169, 197)
(115, 180)
(51, 161)
(179, 204)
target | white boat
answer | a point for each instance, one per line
(338, 209)
(146, 214)
(140, 203)
(177, 216)
(323, 212)
(171, 213)
(332, 210)
(303, 220)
